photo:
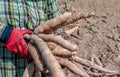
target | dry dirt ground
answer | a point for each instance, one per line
(98, 35)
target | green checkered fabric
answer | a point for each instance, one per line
(22, 14)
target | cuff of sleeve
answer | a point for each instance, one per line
(6, 34)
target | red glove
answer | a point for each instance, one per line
(16, 43)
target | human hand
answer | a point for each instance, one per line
(16, 43)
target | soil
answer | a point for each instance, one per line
(98, 35)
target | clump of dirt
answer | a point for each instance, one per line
(98, 35)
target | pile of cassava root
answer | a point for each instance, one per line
(52, 51)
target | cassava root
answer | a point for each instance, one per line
(92, 65)
(60, 51)
(71, 66)
(37, 60)
(49, 25)
(29, 70)
(50, 62)
(59, 41)
(62, 20)
(45, 53)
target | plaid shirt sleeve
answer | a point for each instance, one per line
(22, 14)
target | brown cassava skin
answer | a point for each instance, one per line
(29, 70)
(69, 32)
(56, 49)
(62, 20)
(63, 52)
(72, 67)
(49, 60)
(60, 41)
(97, 60)
(59, 51)
(84, 70)
(77, 16)
(52, 24)
(37, 73)
(93, 65)
(35, 56)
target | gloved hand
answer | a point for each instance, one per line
(16, 43)
(14, 40)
